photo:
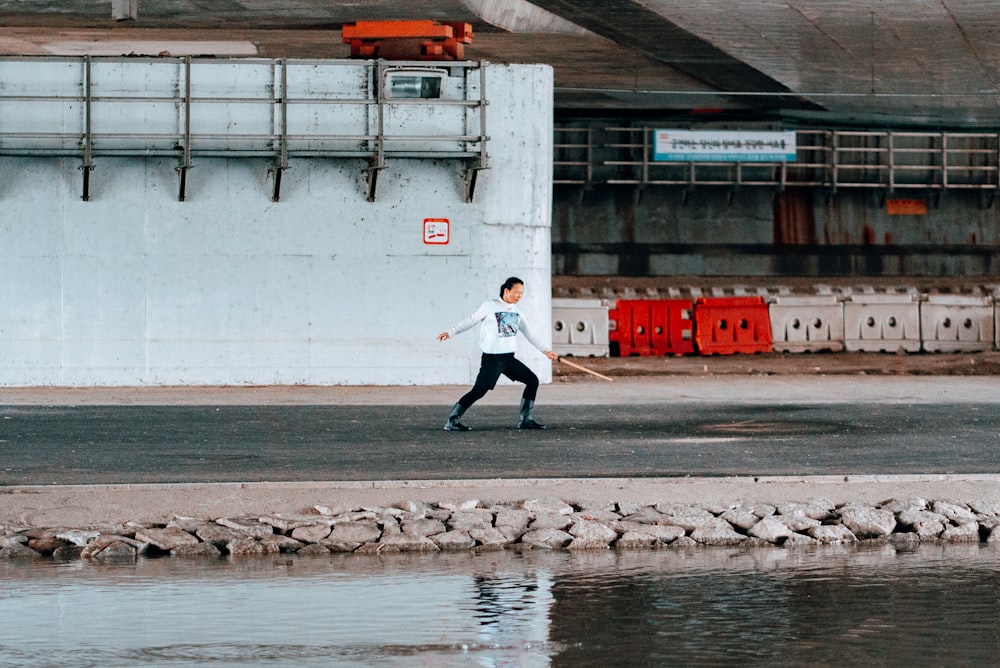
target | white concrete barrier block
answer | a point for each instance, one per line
(882, 323)
(580, 327)
(957, 323)
(807, 323)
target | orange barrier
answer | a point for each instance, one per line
(651, 327)
(729, 325)
(407, 40)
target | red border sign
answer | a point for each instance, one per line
(437, 231)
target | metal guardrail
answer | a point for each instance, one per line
(829, 159)
(91, 107)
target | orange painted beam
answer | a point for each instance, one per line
(406, 40)
(377, 30)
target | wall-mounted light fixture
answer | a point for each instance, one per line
(413, 83)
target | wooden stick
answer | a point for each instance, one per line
(585, 369)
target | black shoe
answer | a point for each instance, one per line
(526, 421)
(453, 424)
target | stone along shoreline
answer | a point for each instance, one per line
(418, 526)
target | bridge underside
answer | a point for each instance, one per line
(887, 63)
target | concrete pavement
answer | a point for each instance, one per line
(574, 390)
(133, 499)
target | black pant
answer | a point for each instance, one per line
(489, 371)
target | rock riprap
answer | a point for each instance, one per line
(551, 524)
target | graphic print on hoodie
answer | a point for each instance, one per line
(507, 323)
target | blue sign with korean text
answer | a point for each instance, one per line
(723, 146)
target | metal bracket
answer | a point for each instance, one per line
(470, 184)
(88, 143)
(377, 163)
(472, 174)
(373, 169)
(277, 170)
(471, 177)
(186, 164)
(87, 168)
(282, 102)
(182, 188)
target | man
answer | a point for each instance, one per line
(501, 321)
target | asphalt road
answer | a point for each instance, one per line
(59, 445)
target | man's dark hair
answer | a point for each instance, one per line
(510, 283)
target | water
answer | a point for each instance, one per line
(934, 605)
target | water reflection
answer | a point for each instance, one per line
(931, 605)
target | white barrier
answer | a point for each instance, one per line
(882, 323)
(807, 323)
(866, 322)
(580, 327)
(953, 323)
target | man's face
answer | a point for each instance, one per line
(513, 295)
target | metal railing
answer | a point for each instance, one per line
(829, 159)
(186, 108)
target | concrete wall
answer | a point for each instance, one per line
(229, 287)
(755, 231)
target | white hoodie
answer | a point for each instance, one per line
(501, 323)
